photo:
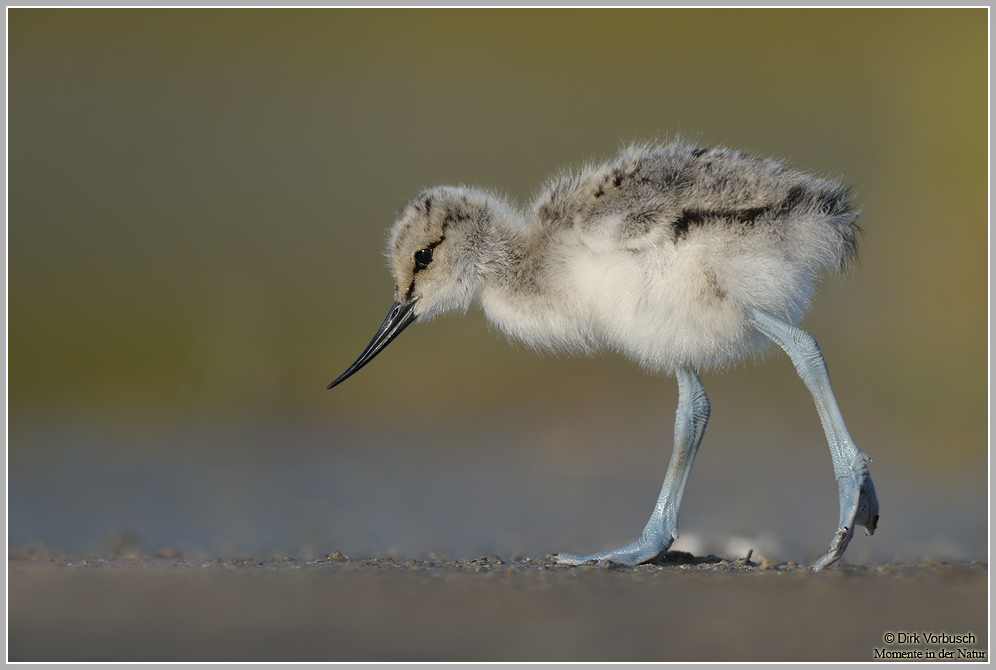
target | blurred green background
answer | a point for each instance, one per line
(198, 200)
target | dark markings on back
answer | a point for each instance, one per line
(648, 176)
(794, 198)
(696, 217)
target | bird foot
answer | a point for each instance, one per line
(641, 551)
(858, 506)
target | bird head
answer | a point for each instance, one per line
(441, 249)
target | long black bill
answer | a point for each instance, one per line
(401, 314)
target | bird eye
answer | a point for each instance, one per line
(422, 258)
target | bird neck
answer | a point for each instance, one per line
(496, 247)
(515, 294)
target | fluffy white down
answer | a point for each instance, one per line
(659, 308)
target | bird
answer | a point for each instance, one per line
(678, 256)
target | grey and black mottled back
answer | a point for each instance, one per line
(666, 191)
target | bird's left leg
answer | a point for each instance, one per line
(858, 502)
(662, 529)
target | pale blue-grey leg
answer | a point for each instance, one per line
(662, 529)
(858, 502)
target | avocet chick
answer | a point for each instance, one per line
(677, 256)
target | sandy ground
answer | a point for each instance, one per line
(683, 608)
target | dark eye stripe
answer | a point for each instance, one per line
(424, 256)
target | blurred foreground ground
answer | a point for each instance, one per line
(231, 555)
(482, 487)
(334, 609)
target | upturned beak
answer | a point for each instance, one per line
(401, 314)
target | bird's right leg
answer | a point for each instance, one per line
(858, 502)
(662, 529)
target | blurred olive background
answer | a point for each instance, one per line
(197, 207)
